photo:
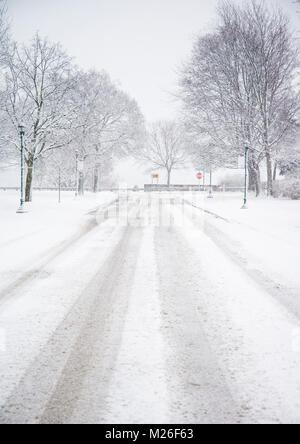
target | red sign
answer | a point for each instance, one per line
(199, 176)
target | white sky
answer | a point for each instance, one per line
(141, 43)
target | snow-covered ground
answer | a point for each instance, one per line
(265, 239)
(149, 310)
(38, 282)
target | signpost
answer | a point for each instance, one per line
(199, 177)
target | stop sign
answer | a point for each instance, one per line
(199, 176)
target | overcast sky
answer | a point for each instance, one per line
(141, 43)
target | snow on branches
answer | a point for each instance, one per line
(239, 87)
(64, 111)
(166, 147)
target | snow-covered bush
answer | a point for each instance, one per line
(232, 179)
(289, 188)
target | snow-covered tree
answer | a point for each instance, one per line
(218, 97)
(39, 78)
(166, 147)
(272, 60)
(4, 32)
(108, 123)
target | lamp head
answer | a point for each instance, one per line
(21, 128)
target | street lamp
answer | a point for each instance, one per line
(21, 209)
(245, 207)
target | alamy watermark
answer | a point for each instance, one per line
(156, 209)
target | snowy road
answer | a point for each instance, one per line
(146, 317)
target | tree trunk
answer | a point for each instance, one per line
(29, 179)
(81, 184)
(275, 172)
(269, 174)
(254, 177)
(268, 154)
(257, 182)
(251, 182)
(169, 178)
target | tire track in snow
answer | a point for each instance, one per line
(287, 297)
(250, 332)
(38, 270)
(137, 390)
(196, 384)
(84, 347)
(87, 340)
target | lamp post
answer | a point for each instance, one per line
(21, 209)
(245, 207)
